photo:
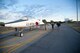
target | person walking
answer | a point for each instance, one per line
(58, 25)
(52, 24)
(16, 29)
(55, 26)
(37, 24)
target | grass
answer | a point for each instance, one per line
(75, 26)
(4, 30)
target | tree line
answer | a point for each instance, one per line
(2, 24)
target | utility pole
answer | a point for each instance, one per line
(77, 10)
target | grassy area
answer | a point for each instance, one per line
(75, 26)
(4, 30)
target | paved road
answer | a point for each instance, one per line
(65, 40)
(14, 44)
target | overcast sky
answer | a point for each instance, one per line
(56, 10)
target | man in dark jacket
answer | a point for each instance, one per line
(58, 24)
(52, 24)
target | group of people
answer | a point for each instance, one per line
(54, 25)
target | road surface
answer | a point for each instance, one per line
(64, 40)
(14, 44)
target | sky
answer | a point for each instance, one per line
(56, 10)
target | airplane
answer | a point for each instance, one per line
(21, 24)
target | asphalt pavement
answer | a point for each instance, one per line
(15, 44)
(63, 40)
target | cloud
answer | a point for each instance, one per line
(6, 3)
(10, 9)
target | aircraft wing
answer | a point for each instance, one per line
(23, 23)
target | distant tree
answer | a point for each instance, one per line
(70, 21)
(2, 24)
(51, 21)
(45, 22)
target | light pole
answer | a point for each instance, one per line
(77, 10)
